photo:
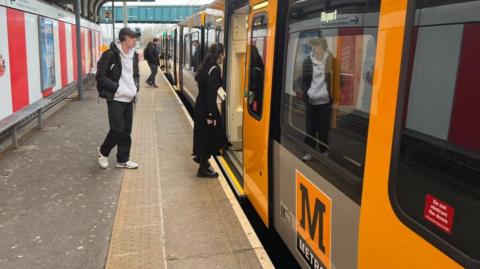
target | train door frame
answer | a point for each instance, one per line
(203, 47)
(181, 59)
(167, 52)
(232, 66)
(256, 145)
(175, 55)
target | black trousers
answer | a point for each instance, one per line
(120, 116)
(153, 70)
(318, 125)
(204, 164)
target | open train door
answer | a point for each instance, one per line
(256, 112)
(235, 84)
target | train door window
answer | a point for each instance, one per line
(211, 37)
(436, 164)
(220, 34)
(187, 45)
(206, 39)
(170, 44)
(258, 50)
(328, 84)
(195, 57)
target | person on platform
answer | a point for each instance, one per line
(151, 55)
(208, 132)
(118, 82)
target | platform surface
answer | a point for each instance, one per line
(58, 209)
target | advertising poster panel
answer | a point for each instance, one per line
(47, 53)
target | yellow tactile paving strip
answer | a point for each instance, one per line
(137, 232)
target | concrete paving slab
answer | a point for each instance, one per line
(184, 189)
(56, 205)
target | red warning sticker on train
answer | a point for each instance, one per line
(439, 213)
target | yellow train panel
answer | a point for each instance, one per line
(384, 241)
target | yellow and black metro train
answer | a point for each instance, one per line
(385, 172)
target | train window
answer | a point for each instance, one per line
(258, 50)
(195, 57)
(436, 182)
(210, 37)
(328, 84)
(171, 45)
(187, 57)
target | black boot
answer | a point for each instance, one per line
(205, 170)
(207, 173)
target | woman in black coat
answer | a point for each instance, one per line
(208, 133)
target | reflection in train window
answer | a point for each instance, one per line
(257, 65)
(328, 87)
(437, 183)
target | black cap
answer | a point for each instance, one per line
(127, 32)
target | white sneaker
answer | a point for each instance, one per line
(127, 165)
(307, 158)
(102, 160)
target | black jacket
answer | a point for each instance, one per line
(307, 75)
(208, 139)
(109, 71)
(151, 54)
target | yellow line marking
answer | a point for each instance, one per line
(231, 175)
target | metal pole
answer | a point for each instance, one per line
(113, 20)
(125, 14)
(79, 50)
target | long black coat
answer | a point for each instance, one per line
(208, 139)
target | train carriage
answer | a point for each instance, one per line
(194, 36)
(381, 170)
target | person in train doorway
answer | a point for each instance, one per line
(118, 82)
(255, 95)
(317, 86)
(151, 54)
(195, 56)
(208, 132)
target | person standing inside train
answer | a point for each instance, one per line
(208, 132)
(118, 82)
(317, 87)
(151, 54)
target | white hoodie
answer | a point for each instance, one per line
(126, 85)
(318, 92)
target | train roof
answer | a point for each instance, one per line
(208, 14)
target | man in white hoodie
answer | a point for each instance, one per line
(118, 82)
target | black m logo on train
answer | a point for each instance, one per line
(313, 217)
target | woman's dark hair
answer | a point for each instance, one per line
(211, 58)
